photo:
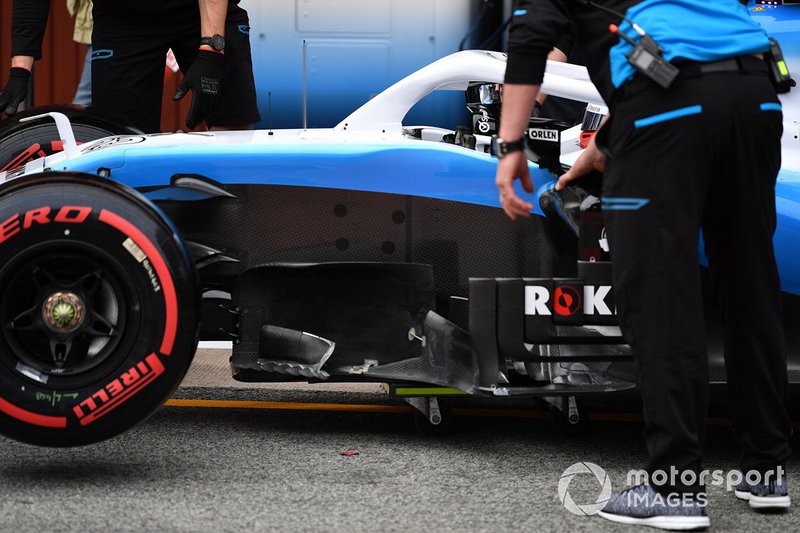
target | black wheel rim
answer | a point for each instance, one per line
(65, 313)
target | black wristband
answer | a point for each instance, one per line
(217, 42)
(501, 148)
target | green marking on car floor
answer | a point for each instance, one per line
(423, 391)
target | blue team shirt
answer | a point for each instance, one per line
(698, 30)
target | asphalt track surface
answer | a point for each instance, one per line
(251, 459)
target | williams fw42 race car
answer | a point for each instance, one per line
(371, 251)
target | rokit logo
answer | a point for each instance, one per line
(568, 301)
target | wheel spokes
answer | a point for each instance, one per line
(63, 314)
(60, 350)
(25, 321)
(100, 326)
(42, 278)
(90, 282)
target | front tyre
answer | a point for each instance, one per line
(98, 309)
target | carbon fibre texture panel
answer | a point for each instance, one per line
(367, 309)
(447, 359)
(280, 224)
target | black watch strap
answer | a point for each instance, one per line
(216, 41)
(501, 148)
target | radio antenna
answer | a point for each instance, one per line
(305, 86)
(269, 111)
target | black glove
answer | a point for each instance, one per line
(203, 78)
(15, 91)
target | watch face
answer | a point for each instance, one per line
(218, 42)
(502, 148)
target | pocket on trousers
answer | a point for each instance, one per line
(667, 116)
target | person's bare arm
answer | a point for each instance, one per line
(212, 17)
(533, 34)
(518, 103)
(554, 55)
(25, 62)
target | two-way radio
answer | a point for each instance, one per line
(646, 58)
(646, 54)
(778, 71)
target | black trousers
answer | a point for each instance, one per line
(130, 47)
(702, 155)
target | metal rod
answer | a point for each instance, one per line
(305, 87)
(269, 110)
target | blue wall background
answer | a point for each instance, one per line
(355, 49)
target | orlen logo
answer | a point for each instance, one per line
(540, 134)
(567, 300)
(120, 390)
(70, 214)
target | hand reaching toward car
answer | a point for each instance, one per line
(204, 80)
(591, 159)
(15, 91)
(514, 166)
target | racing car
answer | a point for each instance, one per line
(371, 251)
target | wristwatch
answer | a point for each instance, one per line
(501, 148)
(217, 42)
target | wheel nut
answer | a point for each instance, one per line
(63, 312)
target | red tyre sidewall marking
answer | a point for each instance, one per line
(170, 330)
(13, 411)
(115, 393)
(160, 266)
(23, 157)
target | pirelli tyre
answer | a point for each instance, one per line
(98, 309)
(21, 141)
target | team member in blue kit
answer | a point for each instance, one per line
(693, 141)
(210, 39)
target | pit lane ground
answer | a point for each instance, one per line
(277, 466)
